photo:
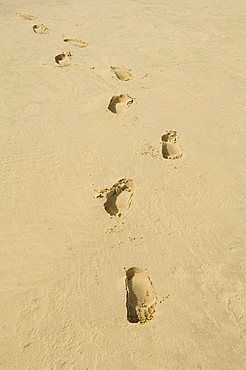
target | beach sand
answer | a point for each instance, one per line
(63, 256)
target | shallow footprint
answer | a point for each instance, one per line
(141, 298)
(120, 103)
(28, 17)
(171, 147)
(122, 73)
(76, 42)
(40, 29)
(64, 59)
(118, 197)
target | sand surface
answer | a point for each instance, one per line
(62, 256)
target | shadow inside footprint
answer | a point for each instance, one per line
(131, 298)
(110, 204)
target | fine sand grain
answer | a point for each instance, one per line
(172, 167)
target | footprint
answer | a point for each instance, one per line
(119, 103)
(28, 17)
(118, 197)
(64, 59)
(122, 73)
(141, 299)
(76, 42)
(171, 147)
(40, 29)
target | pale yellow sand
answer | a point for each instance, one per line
(62, 257)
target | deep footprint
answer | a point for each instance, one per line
(118, 197)
(171, 147)
(141, 298)
(120, 103)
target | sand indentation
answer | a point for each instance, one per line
(76, 42)
(171, 147)
(122, 73)
(118, 197)
(27, 17)
(64, 59)
(141, 297)
(120, 103)
(40, 29)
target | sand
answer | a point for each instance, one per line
(63, 257)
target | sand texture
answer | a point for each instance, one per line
(91, 187)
